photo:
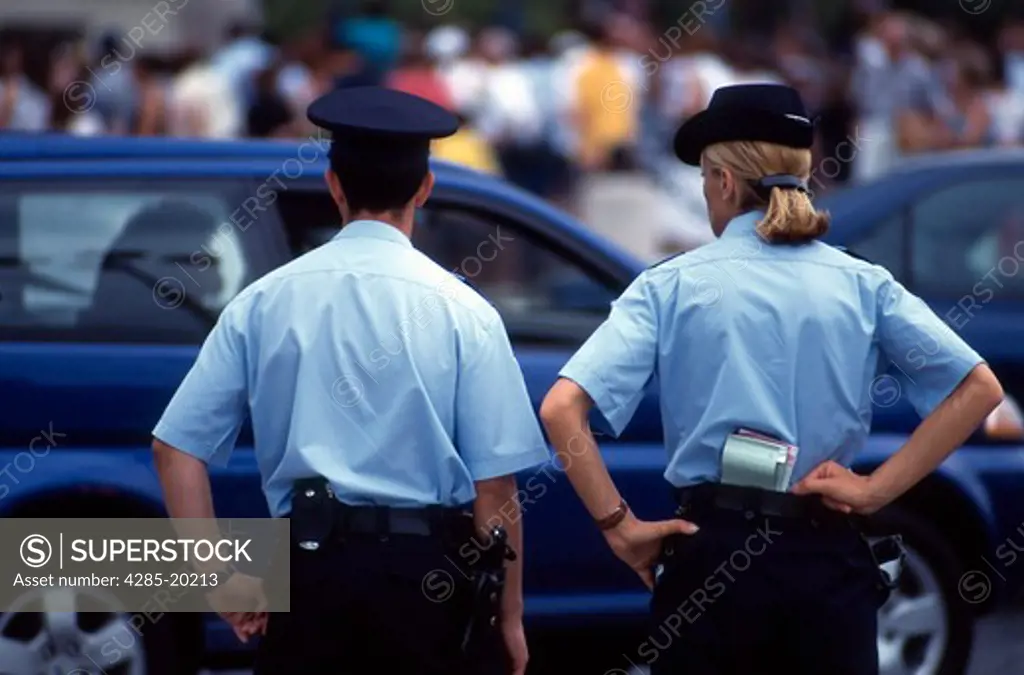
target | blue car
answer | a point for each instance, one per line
(118, 254)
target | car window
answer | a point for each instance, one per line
(967, 234)
(885, 245)
(122, 262)
(544, 296)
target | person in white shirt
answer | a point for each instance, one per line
(202, 104)
(509, 114)
(461, 66)
(23, 107)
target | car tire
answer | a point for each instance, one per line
(933, 572)
(162, 644)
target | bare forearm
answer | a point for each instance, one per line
(939, 434)
(576, 448)
(496, 504)
(185, 482)
(187, 496)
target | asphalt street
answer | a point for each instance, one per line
(998, 648)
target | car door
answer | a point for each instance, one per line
(110, 280)
(959, 245)
(967, 261)
(551, 297)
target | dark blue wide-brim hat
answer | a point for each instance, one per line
(772, 113)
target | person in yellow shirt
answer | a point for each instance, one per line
(605, 111)
(467, 148)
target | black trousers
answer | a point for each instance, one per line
(751, 594)
(398, 605)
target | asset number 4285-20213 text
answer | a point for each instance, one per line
(134, 579)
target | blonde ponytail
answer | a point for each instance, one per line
(789, 215)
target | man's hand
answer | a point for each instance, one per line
(638, 543)
(246, 624)
(241, 590)
(841, 489)
(515, 642)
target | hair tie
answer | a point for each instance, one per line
(763, 186)
(784, 181)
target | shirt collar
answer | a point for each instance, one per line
(372, 229)
(742, 225)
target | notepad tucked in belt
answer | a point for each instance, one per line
(752, 459)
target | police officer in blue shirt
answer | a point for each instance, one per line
(387, 390)
(766, 345)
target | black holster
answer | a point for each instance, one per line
(487, 576)
(889, 556)
(313, 513)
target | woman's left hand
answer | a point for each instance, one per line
(840, 489)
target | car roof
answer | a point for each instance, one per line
(960, 159)
(50, 147)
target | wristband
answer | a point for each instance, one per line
(615, 517)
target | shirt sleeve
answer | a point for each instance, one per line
(931, 359)
(496, 430)
(615, 364)
(206, 414)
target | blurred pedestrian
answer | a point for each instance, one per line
(802, 66)
(764, 419)
(509, 115)
(150, 118)
(966, 117)
(23, 107)
(1011, 44)
(468, 148)
(380, 496)
(244, 55)
(297, 80)
(374, 36)
(567, 50)
(270, 116)
(748, 62)
(463, 68)
(113, 81)
(605, 106)
(886, 74)
(924, 104)
(1006, 108)
(201, 103)
(418, 74)
(72, 113)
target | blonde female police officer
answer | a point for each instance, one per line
(365, 364)
(769, 330)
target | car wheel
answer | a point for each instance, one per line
(82, 631)
(923, 628)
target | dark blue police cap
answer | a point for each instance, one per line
(374, 127)
(772, 113)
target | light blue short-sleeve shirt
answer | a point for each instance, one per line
(365, 362)
(792, 341)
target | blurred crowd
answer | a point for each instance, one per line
(544, 110)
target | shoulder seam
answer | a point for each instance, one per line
(665, 260)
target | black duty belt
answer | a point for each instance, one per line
(427, 521)
(318, 515)
(714, 496)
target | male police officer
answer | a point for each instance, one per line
(365, 363)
